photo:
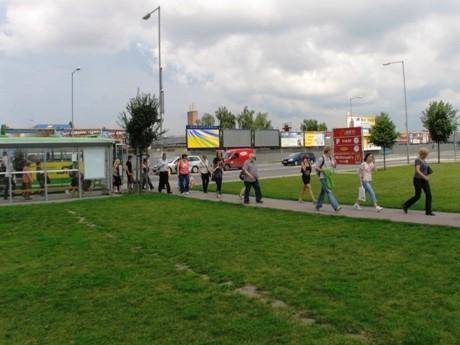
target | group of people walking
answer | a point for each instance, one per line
(213, 171)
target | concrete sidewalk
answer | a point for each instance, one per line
(395, 215)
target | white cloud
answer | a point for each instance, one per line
(291, 58)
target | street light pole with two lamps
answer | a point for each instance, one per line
(160, 68)
(405, 102)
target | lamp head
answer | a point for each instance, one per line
(387, 64)
(147, 16)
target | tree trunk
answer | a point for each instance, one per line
(439, 154)
(384, 158)
(140, 172)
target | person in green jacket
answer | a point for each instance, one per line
(325, 167)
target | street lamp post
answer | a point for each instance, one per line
(405, 102)
(71, 92)
(160, 68)
(351, 106)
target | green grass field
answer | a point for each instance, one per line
(393, 187)
(157, 269)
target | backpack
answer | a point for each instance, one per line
(321, 166)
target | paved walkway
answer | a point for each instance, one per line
(395, 215)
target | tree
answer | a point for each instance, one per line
(262, 122)
(207, 120)
(439, 119)
(225, 117)
(383, 134)
(142, 123)
(246, 119)
(313, 125)
(3, 129)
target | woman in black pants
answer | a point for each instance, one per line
(218, 173)
(421, 182)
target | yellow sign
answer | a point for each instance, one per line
(203, 138)
(314, 139)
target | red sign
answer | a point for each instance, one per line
(348, 145)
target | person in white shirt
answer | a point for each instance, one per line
(205, 172)
(365, 177)
(163, 168)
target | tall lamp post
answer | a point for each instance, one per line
(160, 68)
(405, 102)
(71, 91)
(351, 106)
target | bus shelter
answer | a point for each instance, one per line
(54, 168)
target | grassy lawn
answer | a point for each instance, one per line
(105, 272)
(393, 187)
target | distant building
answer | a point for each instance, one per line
(192, 116)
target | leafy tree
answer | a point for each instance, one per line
(142, 123)
(313, 125)
(383, 134)
(322, 127)
(3, 129)
(207, 120)
(262, 122)
(225, 117)
(246, 119)
(439, 120)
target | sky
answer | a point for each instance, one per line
(294, 59)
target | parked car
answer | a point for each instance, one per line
(235, 158)
(194, 165)
(296, 158)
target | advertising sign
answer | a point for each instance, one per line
(348, 145)
(314, 139)
(203, 137)
(366, 123)
(266, 138)
(291, 139)
(236, 138)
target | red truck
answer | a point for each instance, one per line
(235, 158)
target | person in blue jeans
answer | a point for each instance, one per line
(326, 163)
(365, 177)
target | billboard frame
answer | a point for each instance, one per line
(203, 127)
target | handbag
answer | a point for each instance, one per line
(361, 193)
(241, 176)
(429, 171)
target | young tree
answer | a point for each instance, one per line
(262, 122)
(312, 125)
(225, 117)
(142, 124)
(439, 119)
(383, 134)
(246, 119)
(207, 120)
(3, 129)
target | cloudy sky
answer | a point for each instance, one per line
(293, 59)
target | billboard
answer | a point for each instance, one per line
(234, 138)
(202, 137)
(366, 123)
(266, 138)
(314, 139)
(348, 145)
(291, 139)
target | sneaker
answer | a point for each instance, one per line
(357, 207)
(300, 200)
(430, 214)
(404, 209)
(318, 208)
(187, 193)
(260, 202)
(241, 197)
(379, 208)
(338, 209)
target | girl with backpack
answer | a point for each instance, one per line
(306, 170)
(365, 177)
